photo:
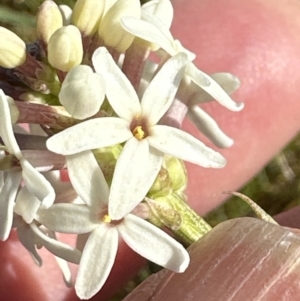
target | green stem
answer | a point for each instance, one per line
(193, 226)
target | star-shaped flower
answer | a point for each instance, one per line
(37, 185)
(146, 140)
(100, 250)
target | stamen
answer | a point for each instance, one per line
(106, 219)
(138, 133)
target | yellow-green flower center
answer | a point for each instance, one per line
(139, 128)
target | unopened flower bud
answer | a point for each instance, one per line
(66, 13)
(162, 185)
(87, 15)
(177, 173)
(82, 92)
(49, 19)
(108, 5)
(65, 49)
(13, 49)
(110, 29)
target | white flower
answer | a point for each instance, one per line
(100, 250)
(146, 140)
(38, 186)
(152, 29)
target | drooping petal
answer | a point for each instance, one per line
(87, 179)
(7, 200)
(26, 205)
(56, 247)
(82, 92)
(27, 239)
(153, 244)
(147, 31)
(227, 81)
(208, 126)
(67, 218)
(6, 130)
(105, 131)
(134, 174)
(161, 91)
(184, 146)
(214, 89)
(119, 91)
(37, 184)
(96, 262)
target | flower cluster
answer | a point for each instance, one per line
(96, 104)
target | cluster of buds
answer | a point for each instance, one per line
(94, 102)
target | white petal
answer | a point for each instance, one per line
(67, 218)
(153, 244)
(159, 24)
(184, 146)
(149, 32)
(161, 91)
(134, 174)
(214, 89)
(162, 9)
(27, 239)
(6, 130)
(91, 134)
(82, 92)
(227, 81)
(26, 205)
(119, 91)
(87, 179)
(96, 262)
(7, 200)
(56, 247)
(208, 126)
(37, 184)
